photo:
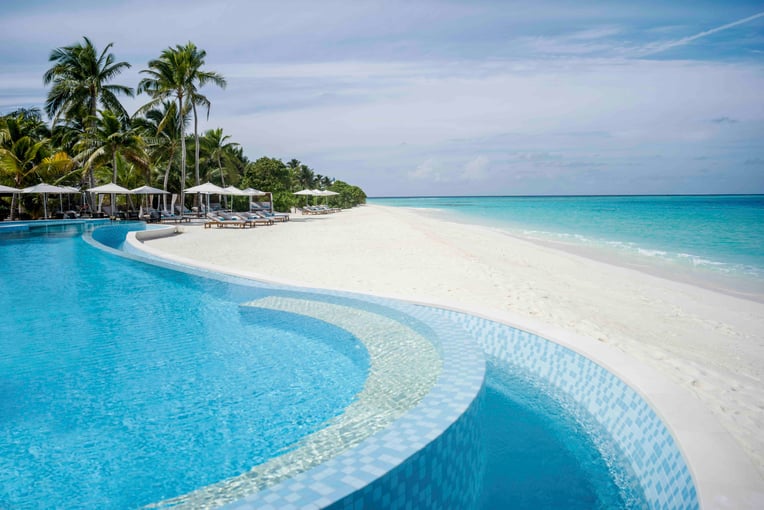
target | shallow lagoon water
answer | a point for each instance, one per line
(709, 240)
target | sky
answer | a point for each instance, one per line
(439, 98)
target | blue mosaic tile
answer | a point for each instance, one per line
(432, 458)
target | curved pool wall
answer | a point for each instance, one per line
(431, 457)
(591, 394)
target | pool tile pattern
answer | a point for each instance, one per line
(430, 457)
(393, 470)
(594, 394)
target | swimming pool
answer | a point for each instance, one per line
(439, 430)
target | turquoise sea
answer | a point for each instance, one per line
(716, 241)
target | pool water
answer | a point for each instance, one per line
(125, 384)
(538, 456)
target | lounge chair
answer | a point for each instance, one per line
(236, 217)
(214, 219)
(186, 213)
(308, 209)
(256, 218)
(168, 217)
(275, 216)
(151, 216)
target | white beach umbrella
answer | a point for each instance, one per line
(326, 193)
(148, 190)
(306, 193)
(207, 189)
(45, 189)
(233, 191)
(70, 190)
(13, 191)
(252, 192)
(111, 189)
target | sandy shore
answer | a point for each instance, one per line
(709, 343)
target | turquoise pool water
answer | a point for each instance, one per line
(538, 456)
(125, 384)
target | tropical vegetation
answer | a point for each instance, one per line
(90, 138)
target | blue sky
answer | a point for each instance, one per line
(449, 98)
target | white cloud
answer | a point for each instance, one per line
(654, 48)
(429, 170)
(343, 86)
(476, 169)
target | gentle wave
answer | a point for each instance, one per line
(686, 260)
(714, 241)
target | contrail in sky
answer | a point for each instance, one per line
(685, 40)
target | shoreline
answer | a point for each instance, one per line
(706, 342)
(732, 285)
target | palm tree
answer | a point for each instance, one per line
(196, 99)
(25, 156)
(112, 138)
(306, 177)
(80, 77)
(177, 74)
(160, 128)
(217, 149)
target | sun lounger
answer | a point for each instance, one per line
(277, 216)
(256, 218)
(250, 220)
(168, 217)
(312, 210)
(150, 216)
(216, 220)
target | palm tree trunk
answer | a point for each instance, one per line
(182, 155)
(92, 125)
(222, 183)
(13, 203)
(196, 148)
(167, 180)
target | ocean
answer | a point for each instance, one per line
(715, 241)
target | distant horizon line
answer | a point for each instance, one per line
(578, 195)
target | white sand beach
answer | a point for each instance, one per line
(711, 344)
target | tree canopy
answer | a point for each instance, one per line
(90, 139)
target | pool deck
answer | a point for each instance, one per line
(723, 474)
